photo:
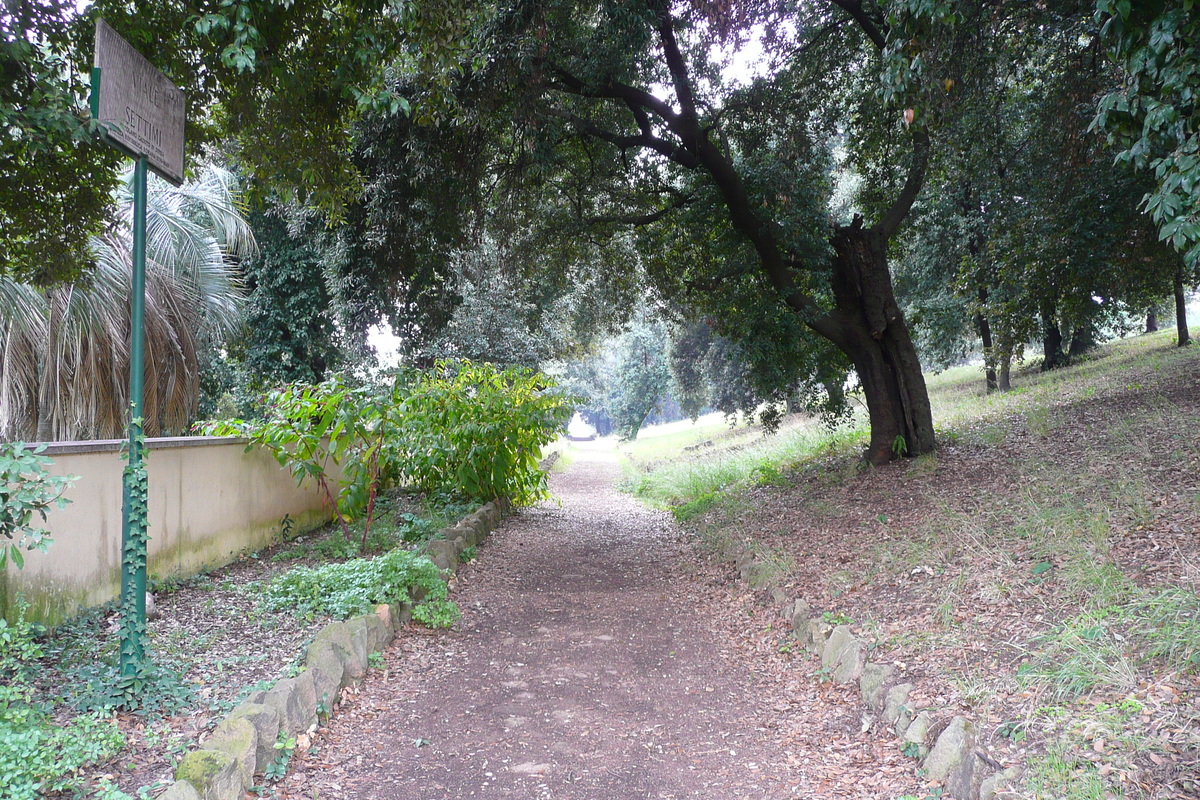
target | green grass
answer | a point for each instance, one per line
(695, 483)
(1050, 535)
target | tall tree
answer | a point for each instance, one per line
(1153, 121)
(65, 370)
(56, 177)
(621, 110)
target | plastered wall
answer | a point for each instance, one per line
(209, 499)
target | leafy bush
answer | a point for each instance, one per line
(464, 429)
(478, 429)
(19, 647)
(38, 757)
(26, 488)
(355, 587)
(314, 429)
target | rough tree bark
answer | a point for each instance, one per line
(870, 329)
(1151, 320)
(1181, 324)
(985, 336)
(1053, 356)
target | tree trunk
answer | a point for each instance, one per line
(51, 384)
(1181, 324)
(1152, 320)
(869, 328)
(1005, 367)
(1083, 339)
(1052, 340)
(985, 336)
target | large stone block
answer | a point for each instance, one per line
(328, 659)
(376, 632)
(284, 697)
(873, 684)
(952, 758)
(239, 738)
(839, 639)
(214, 774)
(306, 692)
(441, 552)
(182, 790)
(266, 724)
(351, 641)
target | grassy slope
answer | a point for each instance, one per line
(1040, 570)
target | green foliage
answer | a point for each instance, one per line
(285, 746)
(414, 528)
(355, 587)
(312, 429)
(152, 689)
(37, 757)
(56, 176)
(1152, 118)
(133, 666)
(19, 647)
(476, 429)
(26, 489)
(464, 428)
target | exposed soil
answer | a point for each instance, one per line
(960, 566)
(606, 653)
(596, 658)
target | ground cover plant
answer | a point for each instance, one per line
(219, 636)
(1039, 572)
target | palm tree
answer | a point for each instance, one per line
(64, 350)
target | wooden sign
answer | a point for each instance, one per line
(141, 109)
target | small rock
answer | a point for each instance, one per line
(916, 731)
(838, 640)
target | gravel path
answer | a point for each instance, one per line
(587, 665)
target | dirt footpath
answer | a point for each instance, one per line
(590, 663)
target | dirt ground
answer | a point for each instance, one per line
(597, 657)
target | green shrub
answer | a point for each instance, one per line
(467, 430)
(356, 586)
(478, 430)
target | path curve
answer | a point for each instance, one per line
(585, 666)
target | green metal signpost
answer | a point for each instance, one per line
(142, 113)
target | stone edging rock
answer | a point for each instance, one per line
(243, 744)
(946, 748)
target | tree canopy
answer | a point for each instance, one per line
(589, 151)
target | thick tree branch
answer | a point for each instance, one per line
(646, 140)
(875, 29)
(615, 90)
(892, 218)
(640, 219)
(675, 63)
